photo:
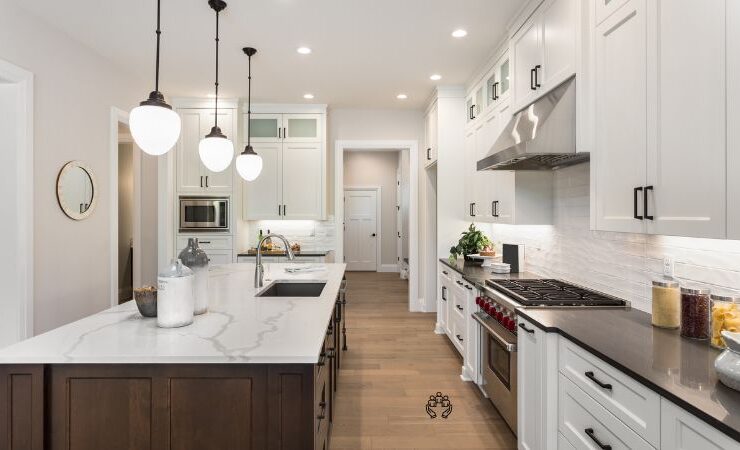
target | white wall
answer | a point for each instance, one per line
(74, 90)
(377, 169)
(621, 264)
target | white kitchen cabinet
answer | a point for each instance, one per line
(430, 127)
(530, 385)
(683, 431)
(263, 196)
(265, 127)
(443, 301)
(619, 163)
(192, 176)
(733, 117)
(498, 81)
(472, 371)
(544, 50)
(218, 247)
(469, 175)
(302, 128)
(655, 166)
(220, 256)
(522, 197)
(303, 178)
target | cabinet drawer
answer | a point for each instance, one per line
(459, 300)
(632, 403)
(206, 242)
(564, 444)
(458, 333)
(445, 273)
(589, 425)
(683, 431)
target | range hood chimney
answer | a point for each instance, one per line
(541, 136)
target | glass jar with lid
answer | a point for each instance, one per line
(666, 304)
(695, 312)
(725, 316)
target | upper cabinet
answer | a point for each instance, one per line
(490, 92)
(543, 50)
(733, 117)
(430, 132)
(192, 176)
(292, 184)
(661, 148)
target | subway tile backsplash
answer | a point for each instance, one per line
(621, 264)
(311, 234)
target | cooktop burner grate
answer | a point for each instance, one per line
(550, 292)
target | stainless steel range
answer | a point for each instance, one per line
(497, 316)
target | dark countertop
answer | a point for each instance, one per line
(297, 254)
(679, 369)
(478, 275)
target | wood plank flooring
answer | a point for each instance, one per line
(394, 363)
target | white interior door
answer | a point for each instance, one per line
(361, 229)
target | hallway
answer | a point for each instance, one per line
(393, 364)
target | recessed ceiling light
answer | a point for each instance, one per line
(402, 96)
(435, 77)
(459, 33)
(308, 96)
(303, 50)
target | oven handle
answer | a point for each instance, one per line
(508, 345)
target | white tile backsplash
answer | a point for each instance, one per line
(311, 234)
(621, 264)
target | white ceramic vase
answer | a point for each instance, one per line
(727, 364)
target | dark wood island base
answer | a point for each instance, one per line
(169, 406)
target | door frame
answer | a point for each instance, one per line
(378, 220)
(416, 304)
(117, 116)
(24, 80)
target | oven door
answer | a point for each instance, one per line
(204, 214)
(498, 366)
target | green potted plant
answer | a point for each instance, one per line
(472, 241)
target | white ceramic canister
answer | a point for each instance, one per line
(175, 296)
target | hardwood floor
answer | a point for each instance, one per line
(394, 363)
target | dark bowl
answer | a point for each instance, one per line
(146, 301)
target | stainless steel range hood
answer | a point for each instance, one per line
(542, 136)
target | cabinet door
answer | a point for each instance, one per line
(559, 28)
(483, 181)
(219, 256)
(431, 136)
(686, 163)
(621, 104)
(502, 92)
(263, 197)
(472, 343)
(733, 117)
(190, 177)
(492, 85)
(526, 54)
(530, 393)
(302, 181)
(444, 300)
(265, 127)
(221, 181)
(505, 196)
(469, 173)
(302, 127)
(470, 108)
(680, 430)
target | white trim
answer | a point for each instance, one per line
(204, 103)
(24, 81)
(285, 108)
(388, 268)
(378, 220)
(374, 145)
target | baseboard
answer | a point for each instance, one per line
(388, 268)
(439, 329)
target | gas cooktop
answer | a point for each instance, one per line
(548, 292)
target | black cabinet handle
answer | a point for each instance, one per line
(494, 208)
(472, 209)
(459, 282)
(201, 181)
(524, 327)
(322, 359)
(602, 385)
(285, 209)
(536, 76)
(279, 209)
(445, 272)
(429, 154)
(634, 201)
(592, 435)
(645, 202)
(280, 133)
(444, 293)
(205, 242)
(460, 308)
(531, 80)
(373, 235)
(468, 287)
(459, 338)
(472, 113)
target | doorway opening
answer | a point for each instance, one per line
(125, 214)
(16, 188)
(387, 169)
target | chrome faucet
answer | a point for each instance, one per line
(258, 269)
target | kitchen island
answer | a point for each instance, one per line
(254, 372)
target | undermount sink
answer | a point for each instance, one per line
(293, 289)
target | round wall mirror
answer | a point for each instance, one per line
(76, 190)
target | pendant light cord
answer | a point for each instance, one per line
(249, 101)
(156, 70)
(215, 121)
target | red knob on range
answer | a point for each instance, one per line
(512, 325)
(499, 316)
(505, 322)
(488, 308)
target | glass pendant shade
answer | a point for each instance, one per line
(249, 165)
(155, 129)
(216, 152)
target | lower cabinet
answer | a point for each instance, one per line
(218, 247)
(169, 406)
(568, 398)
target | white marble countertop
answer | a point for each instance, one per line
(238, 328)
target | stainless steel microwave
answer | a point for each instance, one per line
(204, 213)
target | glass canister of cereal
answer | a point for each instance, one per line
(725, 316)
(666, 303)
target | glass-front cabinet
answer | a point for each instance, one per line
(268, 128)
(492, 90)
(265, 127)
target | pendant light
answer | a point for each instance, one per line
(154, 126)
(249, 163)
(216, 150)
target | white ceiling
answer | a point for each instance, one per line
(364, 51)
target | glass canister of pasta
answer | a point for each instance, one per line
(725, 316)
